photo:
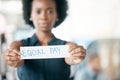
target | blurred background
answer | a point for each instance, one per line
(95, 24)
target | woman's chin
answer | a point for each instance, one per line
(44, 30)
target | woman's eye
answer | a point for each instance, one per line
(50, 11)
(38, 11)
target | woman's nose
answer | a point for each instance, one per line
(43, 15)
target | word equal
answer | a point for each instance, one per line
(43, 52)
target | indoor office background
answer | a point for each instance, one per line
(92, 23)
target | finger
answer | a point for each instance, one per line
(6, 58)
(16, 51)
(72, 46)
(13, 50)
(7, 52)
(17, 58)
(77, 60)
(79, 57)
(84, 50)
(7, 55)
(81, 47)
(79, 54)
(78, 50)
(9, 58)
(12, 62)
(12, 53)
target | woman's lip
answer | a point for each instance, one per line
(43, 24)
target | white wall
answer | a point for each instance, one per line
(91, 18)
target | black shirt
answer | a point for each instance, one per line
(43, 69)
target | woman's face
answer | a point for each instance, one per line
(43, 14)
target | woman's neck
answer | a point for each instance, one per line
(44, 37)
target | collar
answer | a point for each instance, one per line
(35, 41)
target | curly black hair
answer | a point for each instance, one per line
(61, 6)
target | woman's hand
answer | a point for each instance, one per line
(12, 57)
(77, 54)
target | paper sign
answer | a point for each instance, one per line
(43, 52)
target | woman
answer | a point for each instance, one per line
(43, 15)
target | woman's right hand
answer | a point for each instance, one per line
(12, 57)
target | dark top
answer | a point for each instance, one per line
(43, 69)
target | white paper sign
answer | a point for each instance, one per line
(43, 52)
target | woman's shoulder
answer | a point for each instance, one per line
(29, 40)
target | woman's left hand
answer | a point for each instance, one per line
(77, 54)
